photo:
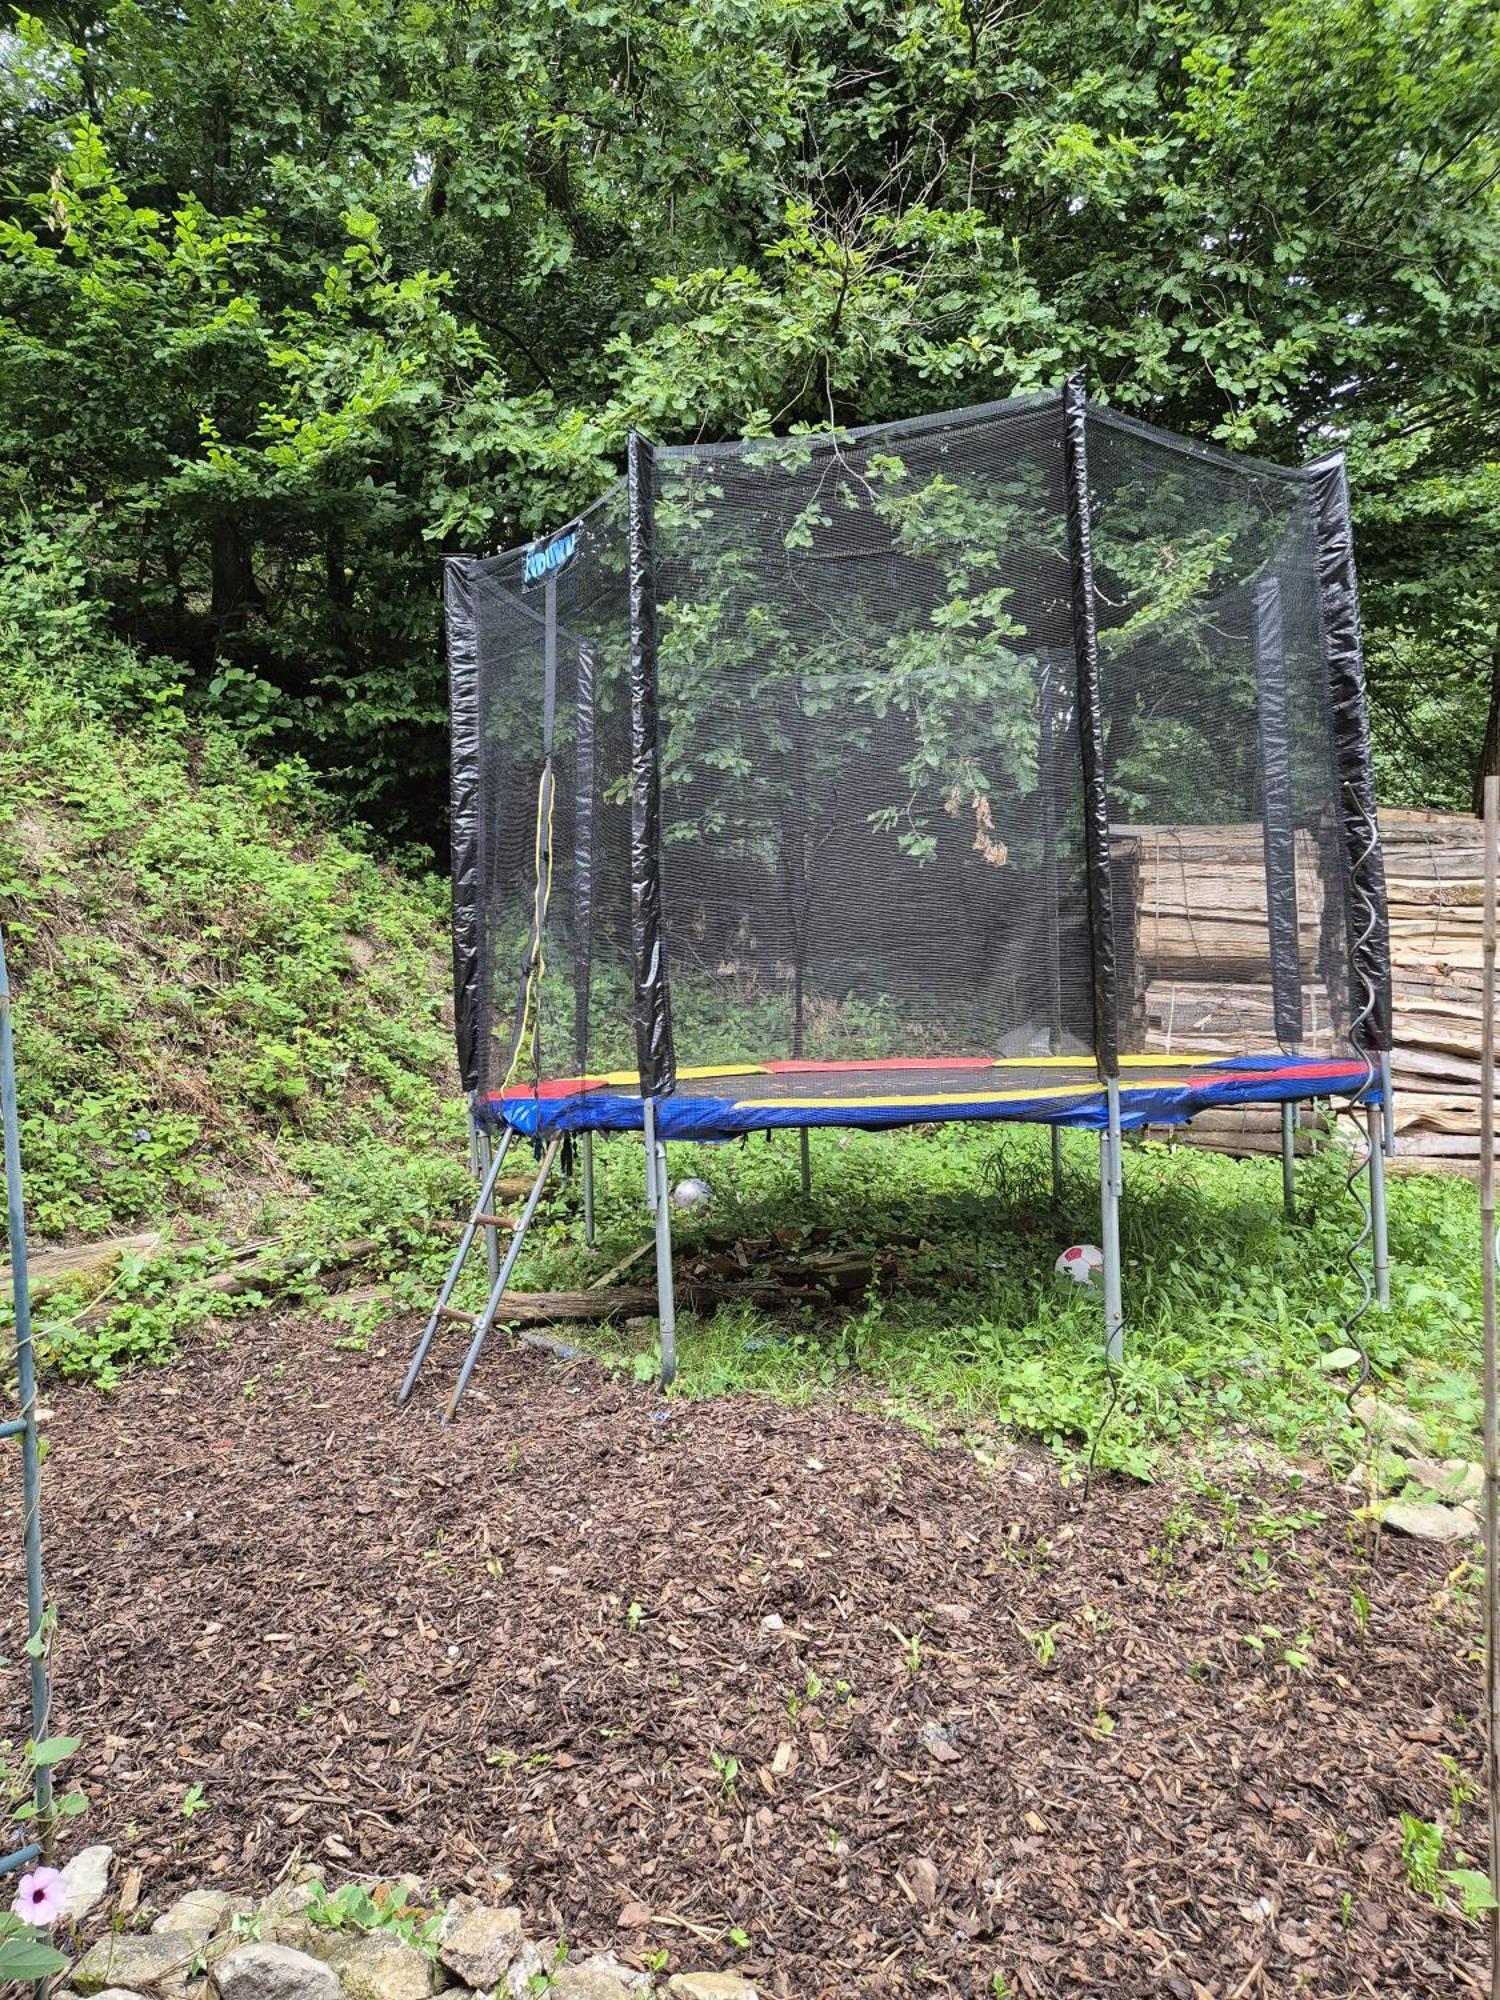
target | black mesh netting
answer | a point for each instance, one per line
(867, 745)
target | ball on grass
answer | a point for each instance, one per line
(692, 1195)
(1082, 1262)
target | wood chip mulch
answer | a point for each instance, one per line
(903, 1720)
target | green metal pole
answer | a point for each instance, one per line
(31, 1526)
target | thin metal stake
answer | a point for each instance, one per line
(455, 1269)
(805, 1156)
(492, 1304)
(1111, 1186)
(1057, 1164)
(31, 1485)
(1379, 1244)
(1289, 1161)
(586, 1149)
(1491, 1369)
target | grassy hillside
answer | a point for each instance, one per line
(230, 1020)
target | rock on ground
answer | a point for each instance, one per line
(477, 1943)
(1393, 1423)
(1428, 1520)
(156, 1962)
(588, 1982)
(382, 1967)
(273, 1972)
(196, 1915)
(1451, 1479)
(709, 1986)
(85, 1879)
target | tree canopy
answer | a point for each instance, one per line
(297, 294)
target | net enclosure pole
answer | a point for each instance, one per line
(25, 1425)
(1279, 848)
(1369, 968)
(1047, 777)
(583, 900)
(1090, 705)
(655, 1061)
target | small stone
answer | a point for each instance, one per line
(197, 1915)
(273, 1972)
(287, 1899)
(527, 1973)
(1393, 1423)
(1428, 1520)
(152, 1961)
(477, 1943)
(1338, 1360)
(85, 1879)
(588, 1982)
(639, 1985)
(709, 1986)
(377, 1966)
(1454, 1480)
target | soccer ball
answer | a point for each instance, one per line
(1082, 1262)
(692, 1195)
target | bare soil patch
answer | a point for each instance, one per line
(905, 1720)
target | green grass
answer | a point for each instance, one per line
(1228, 1308)
(230, 1018)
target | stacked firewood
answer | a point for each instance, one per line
(1201, 971)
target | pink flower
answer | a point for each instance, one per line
(40, 1897)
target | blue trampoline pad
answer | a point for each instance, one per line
(722, 1102)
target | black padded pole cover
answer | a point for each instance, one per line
(464, 794)
(1338, 605)
(583, 850)
(1278, 831)
(653, 1007)
(1091, 730)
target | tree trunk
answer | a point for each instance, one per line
(1489, 753)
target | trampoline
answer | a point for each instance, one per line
(712, 1104)
(1008, 764)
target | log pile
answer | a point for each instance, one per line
(1201, 973)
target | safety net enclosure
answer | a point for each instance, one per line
(848, 777)
(877, 777)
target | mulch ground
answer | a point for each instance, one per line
(904, 1720)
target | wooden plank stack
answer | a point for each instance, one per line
(1201, 972)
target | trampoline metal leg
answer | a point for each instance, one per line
(1111, 1188)
(460, 1258)
(1057, 1184)
(1378, 1240)
(587, 1151)
(1388, 1105)
(1288, 1161)
(804, 1154)
(666, 1303)
(497, 1291)
(491, 1240)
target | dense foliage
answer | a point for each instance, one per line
(294, 294)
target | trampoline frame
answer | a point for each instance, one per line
(1366, 1085)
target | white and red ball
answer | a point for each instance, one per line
(1082, 1262)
